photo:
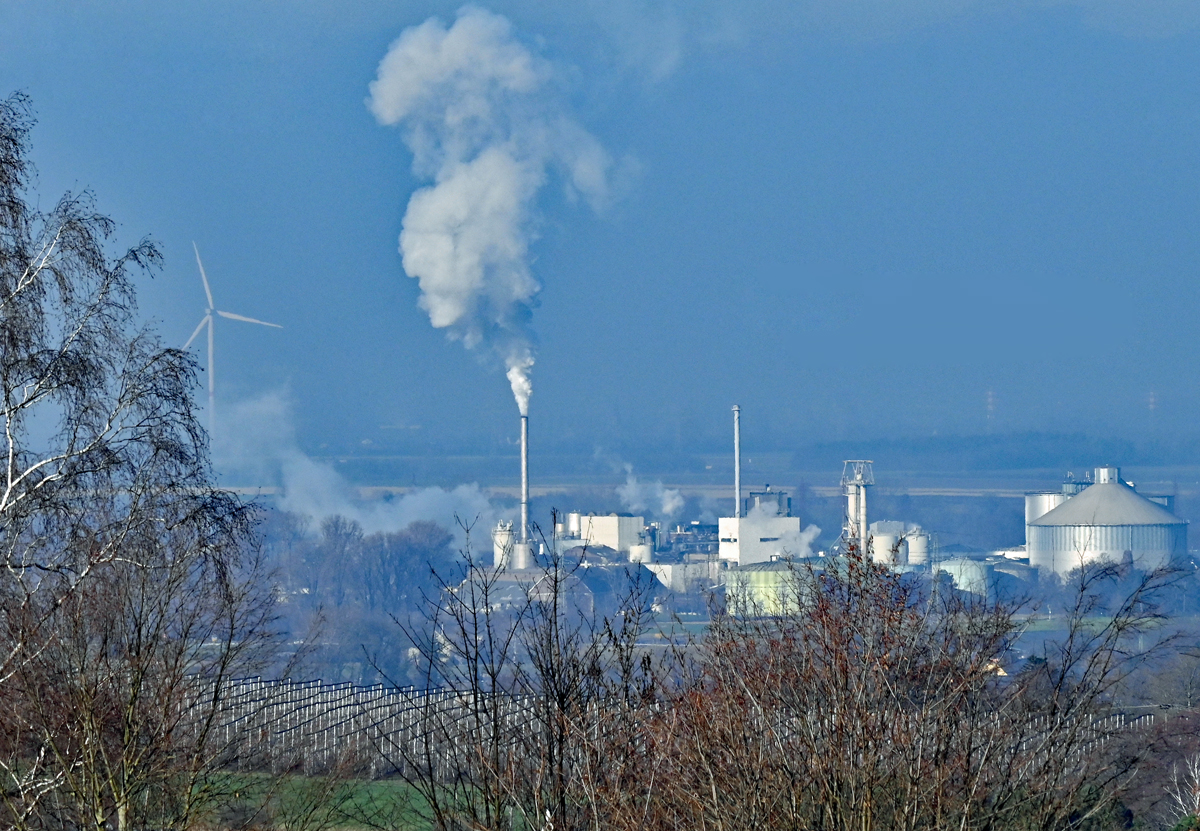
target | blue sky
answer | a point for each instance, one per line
(853, 218)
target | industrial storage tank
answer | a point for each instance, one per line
(502, 544)
(641, 553)
(1040, 503)
(1107, 521)
(889, 549)
(970, 575)
(918, 549)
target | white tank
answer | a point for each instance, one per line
(1041, 503)
(1110, 522)
(522, 556)
(641, 553)
(502, 544)
(918, 549)
(971, 575)
(573, 524)
(889, 549)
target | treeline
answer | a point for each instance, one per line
(343, 592)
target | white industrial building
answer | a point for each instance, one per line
(767, 531)
(1104, 521)
(621, 533)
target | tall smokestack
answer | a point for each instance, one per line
(737, 461)
(524, 478)
(863, 528)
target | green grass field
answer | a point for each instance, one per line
(313, 803)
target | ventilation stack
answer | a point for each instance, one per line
(857, 476)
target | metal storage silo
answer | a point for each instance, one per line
(970, 575)
(502, 544)
(889, 549)
(918, 548)
(641, 553)
(1040, 503)
(1106, 521)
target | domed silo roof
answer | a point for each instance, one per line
(1106, 521)
(1109, 504)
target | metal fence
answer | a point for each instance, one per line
(312, 727)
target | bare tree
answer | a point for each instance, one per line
(870, 702)
(130, 592)
(534, 700)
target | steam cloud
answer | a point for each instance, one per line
(263, 449)
(649, 497)
(483, 121)
(795, 544)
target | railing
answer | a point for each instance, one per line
(312, 727)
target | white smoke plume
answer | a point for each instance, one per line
(484, 121)
(795, 543)
(801, 544)
(259, 446)
(649, 497)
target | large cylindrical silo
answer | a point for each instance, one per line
(889, 549)
(918, 549)
(1108, 521)
(1041, 503)
(502, 544)
(970, 575)
(641, 553)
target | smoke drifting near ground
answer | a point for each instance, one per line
(650, 499)
(255, 444)
(796, 543)
(485, 121)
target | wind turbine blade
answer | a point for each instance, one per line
(207, 319)
(245, 319)
(203, 276)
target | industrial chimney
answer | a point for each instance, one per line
(525, 478)
(522, 551)
(737, 461)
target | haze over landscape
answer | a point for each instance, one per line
(947, 236)
(624, 414)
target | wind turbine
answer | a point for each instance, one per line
(209, 322)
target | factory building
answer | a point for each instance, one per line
(1106, 520)
(763, 530)
(621, 532)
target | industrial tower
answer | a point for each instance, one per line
(857, 476)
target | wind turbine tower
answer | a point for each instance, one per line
(209, 321)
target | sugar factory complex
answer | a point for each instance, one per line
(752, 554)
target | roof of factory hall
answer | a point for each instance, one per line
(1109, 503)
